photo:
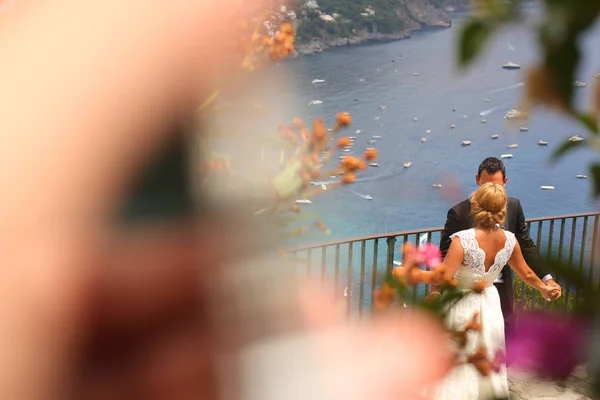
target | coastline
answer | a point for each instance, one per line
(439, 19)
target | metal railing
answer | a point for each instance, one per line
(352, 269)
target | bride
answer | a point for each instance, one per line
(476, 257)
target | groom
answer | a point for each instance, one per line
(459, 218)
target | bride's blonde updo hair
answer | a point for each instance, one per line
(488, 206)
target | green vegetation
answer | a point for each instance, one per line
(349, 21)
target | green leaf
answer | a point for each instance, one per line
(589, 121)
(288, 182)
(595, 168)
(564, 148)
(274, 142)
(473, 35)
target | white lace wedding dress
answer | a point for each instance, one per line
(464, 382)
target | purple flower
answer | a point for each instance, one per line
(429, 254)
(549, 344)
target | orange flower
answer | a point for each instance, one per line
(343, 142)
(473, 325)
(343, 119)
(315, 158)
(408, 247)
(267, 41)
(319, 129)
(287, 29)
(480, 361)
(479, 286)
(348, 177)
(351, 163)
(383, 298)
(460, 337)
(370, 153)
(321, 226)
(305, 134)
(298, 123)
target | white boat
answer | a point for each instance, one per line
(342, 157)
(579, 84)
(486, 100)
(437, 185)
(513, 146)
(494, 136)
(415, 73)
(515, 114)
(372, 141)
(382, 107)
(542, 143)
(511, 65)
(407, 164)
(415, 119)
(575, 138)
(506, 156)
(452, 126)
(547, 187)
(373, 164)
(423, 140)
(523, 129)
(346, 150)
(377, 136)
(465, 143)
(582, 176)
(323, 186)
(428, 131)
(483, 120)
(376, 118)
(351, 137)
(318, 80)
(358, 131)
(315, 102)
(465, 116)
(303, 201)
(368, 197)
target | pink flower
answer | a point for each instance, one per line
(429, 254)
(548, 343)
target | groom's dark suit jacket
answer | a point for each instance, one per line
(459, 218)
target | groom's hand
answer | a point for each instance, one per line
(557, 293)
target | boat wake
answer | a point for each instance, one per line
(507, 87)
(319, 183)
(491, 110)
(364, 196)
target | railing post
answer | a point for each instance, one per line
(391, 243)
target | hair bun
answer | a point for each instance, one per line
(488, 206)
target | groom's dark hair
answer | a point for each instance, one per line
(492, 165)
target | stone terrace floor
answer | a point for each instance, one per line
(524, 386)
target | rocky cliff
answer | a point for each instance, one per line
(321, 24)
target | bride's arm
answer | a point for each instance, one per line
(518, 264)
(451, 263)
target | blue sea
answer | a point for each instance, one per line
(418, 78)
